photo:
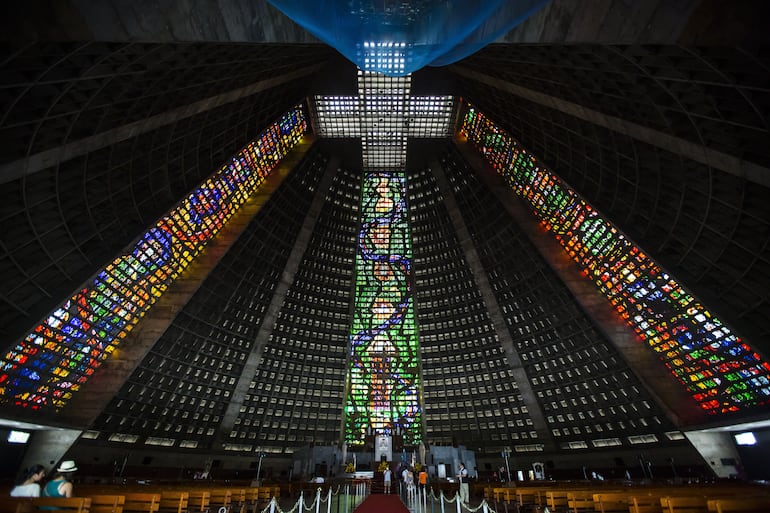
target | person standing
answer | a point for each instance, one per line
(60, 485)
(388, 476)
(423, 479)
(462, 476)
(409, 483)
(30, 482)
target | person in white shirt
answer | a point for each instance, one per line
(30, 482)
(387, 476)
(462, 476)
(409, 483)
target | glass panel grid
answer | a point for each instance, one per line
(430, 116)
(424, 116)
(383, 375)
(57, 357)
(721, 371)
(384, 103)
(338, 116)
(384, 57)
(384, 115)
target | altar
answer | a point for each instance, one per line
(383, 448)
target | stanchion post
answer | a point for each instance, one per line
(339, 498)
(329, 501)
(318, 500)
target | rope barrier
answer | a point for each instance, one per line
(421, 501)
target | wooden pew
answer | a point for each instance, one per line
(265, 494)
(107, 503)
(199, 500)
(504, 494)
(252, 498)
(174, 501)
(649, 503)
(141, 502)
(580, 500)
(613, 502)
(497, 493)
(684, 504)
(739, 505)
(528, 496)
(10, 504)
(221, 498)
(61, 504)
(238, 500)
(556, 500)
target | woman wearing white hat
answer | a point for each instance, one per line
(60, 486)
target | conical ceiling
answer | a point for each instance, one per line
(257, 357)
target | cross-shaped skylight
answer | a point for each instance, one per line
(383, 114)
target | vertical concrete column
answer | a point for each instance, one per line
(47, 447)
(495, 312)
(718, 451)
(287, 278)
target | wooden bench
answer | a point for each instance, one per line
(252, 498)
(649, 503)
(611, 502)
(684, 504)
(199, 500)
(739, 505)
(504, 494)
(141, 502)
(578, 501)
(509, 495)
(107, 503)
(174, 501)
(238, 500)
(35, 504)
(266, 494)
(221, 498)
(556, 500)
(526, 496)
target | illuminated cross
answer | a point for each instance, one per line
(383, 115)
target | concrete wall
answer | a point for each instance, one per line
(710, 22)
(148, 20)
(600, 21)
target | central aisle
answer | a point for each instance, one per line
(382, 504)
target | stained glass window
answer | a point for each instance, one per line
(720, 370)
(383, 394)
(53, 361)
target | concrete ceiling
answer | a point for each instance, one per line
(711, 22)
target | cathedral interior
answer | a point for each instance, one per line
(580, 241)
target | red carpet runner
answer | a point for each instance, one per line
(382, 504)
